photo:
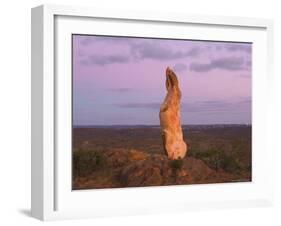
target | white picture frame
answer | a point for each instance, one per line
(52, 197)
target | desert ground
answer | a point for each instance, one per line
(133, 156)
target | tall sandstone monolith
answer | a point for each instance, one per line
(170, 121)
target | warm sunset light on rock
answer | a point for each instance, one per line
(172, 135)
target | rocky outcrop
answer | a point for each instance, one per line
(158, 170)
(172, 135)
(121, 157)
(134, 168)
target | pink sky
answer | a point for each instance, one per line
(118, 80)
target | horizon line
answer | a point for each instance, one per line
(192, 124)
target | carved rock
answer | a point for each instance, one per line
(170, 122)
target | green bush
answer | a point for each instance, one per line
(218, 159)
(86, 161)
(231, 164)
(176, 164)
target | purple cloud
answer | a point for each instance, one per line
(140, 105)
(199, 106)
(217, 106)
(88, 40)
(120, 90)
(152, 50)
(239, 47)
(227, 63)
(104, 60)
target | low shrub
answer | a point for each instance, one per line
(218, 159)
(176, 164)
(86, 161)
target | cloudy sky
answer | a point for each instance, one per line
(118, 80)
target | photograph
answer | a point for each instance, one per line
(151, 111)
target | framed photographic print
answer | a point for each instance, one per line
(137, 112)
